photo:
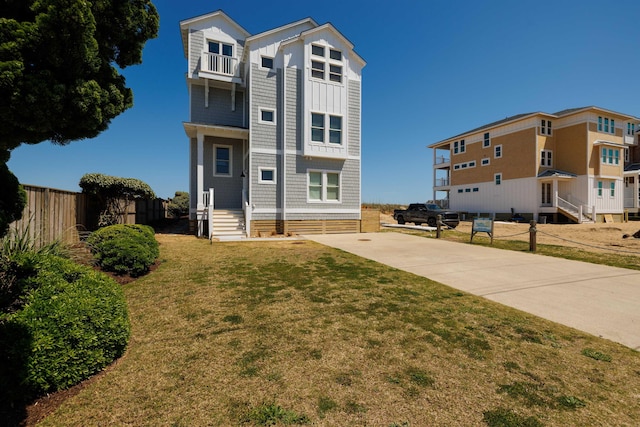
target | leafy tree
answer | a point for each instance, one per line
(12, 199)
(113, 194)
(179, 205)
(60, 63)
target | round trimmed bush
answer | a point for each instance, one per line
(73, 323)
(125, 248)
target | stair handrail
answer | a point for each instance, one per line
(210, 213)
(246, 209)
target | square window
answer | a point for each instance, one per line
(335, 54)
(317, 50)
(214, 47)
(267, 176)
(459, 190)
(467, 190)
(227, 50)
(267, 116)
(267, 62)
(335, 73)
(317, 69)
(485, 162)
(476, 189)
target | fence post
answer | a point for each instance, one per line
(438, 226)
(532, 236)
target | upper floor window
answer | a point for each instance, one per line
(631, 128)
(220, 48)
(318, 128)
(319, 62)
(610, 156)
(459, 147)
(545, 127)
(485, 161)
(546, 158)
(626, 154)
(335, 129)
(267, 116)
(606, 125)
(487, 140)
(497, 151)
(267, 62)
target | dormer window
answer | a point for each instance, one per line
(219, 58)
(221, 48)
(319, 62)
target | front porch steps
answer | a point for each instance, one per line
(575, 216)
(228, 224)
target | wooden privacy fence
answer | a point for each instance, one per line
(52, 214)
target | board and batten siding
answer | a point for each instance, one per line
(491, 198)
(219, 111)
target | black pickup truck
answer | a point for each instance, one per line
(419, 213)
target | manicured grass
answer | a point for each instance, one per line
(294, 333)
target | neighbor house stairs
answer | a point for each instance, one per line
(228, 224)
(574, 215)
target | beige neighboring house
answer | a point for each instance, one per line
(576, 165)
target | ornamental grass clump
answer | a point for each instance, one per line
(125, 248)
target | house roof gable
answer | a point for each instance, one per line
(187, 23)
(517, 117)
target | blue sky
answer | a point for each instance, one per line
(435, 68)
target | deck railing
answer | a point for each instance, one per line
(441, 159)
(442, 182)
(219, 64)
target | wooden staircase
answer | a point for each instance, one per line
(228, 224)
(574, 215)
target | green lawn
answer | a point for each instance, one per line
(291, 332)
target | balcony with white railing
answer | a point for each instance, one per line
(213, 65)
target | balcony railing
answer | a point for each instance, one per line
(219, 64)
(441, 159)
(442, 182)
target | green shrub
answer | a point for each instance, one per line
(125, 248)
(72, 324)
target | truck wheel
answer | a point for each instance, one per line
(431, 221)
(400, 219)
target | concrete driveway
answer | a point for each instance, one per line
(600, 300)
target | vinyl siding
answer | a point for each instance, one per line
(196, 47)
(293, 108)
(354, 113)
(266, 196)
(219, 111)
(266, 93)
(297, 167)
